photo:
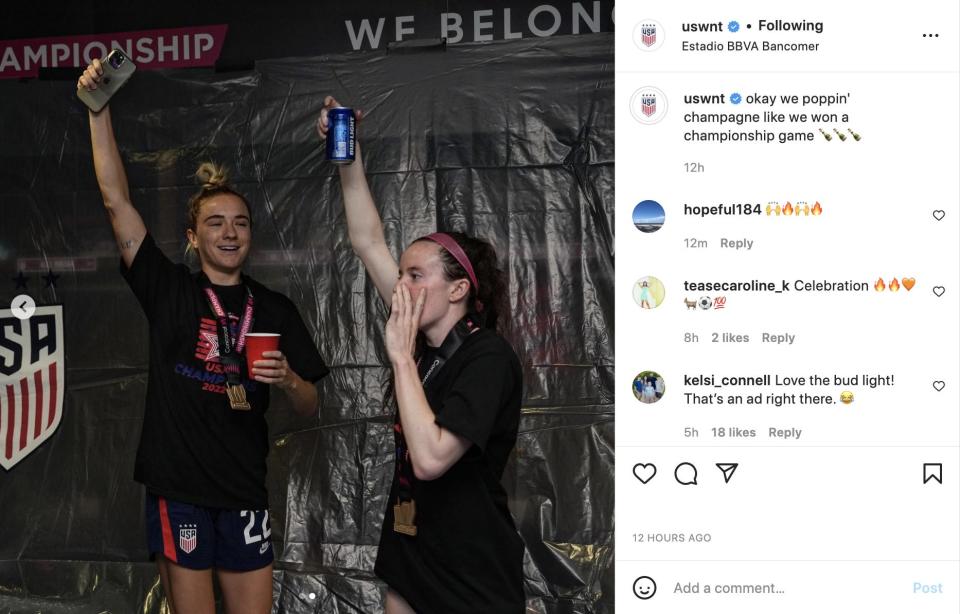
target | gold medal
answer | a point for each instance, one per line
(404, 514)
(238, 397)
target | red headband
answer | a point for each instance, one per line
(450, 244)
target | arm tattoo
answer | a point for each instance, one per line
(127, 244)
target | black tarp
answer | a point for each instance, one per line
(512, 141)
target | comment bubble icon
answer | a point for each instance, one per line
(686, 474)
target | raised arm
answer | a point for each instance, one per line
(363, 221)
(128, 226)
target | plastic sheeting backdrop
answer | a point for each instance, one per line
(512, 141)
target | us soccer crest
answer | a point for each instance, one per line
(648, 104)
(31, 381)
(188, 538)
(648, 34)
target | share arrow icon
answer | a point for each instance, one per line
(727, 469)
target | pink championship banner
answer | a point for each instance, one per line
(149, 49)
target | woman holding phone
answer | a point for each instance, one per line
(203, 448)
(448, 544)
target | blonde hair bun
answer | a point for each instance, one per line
(212, 176)
(215, 182)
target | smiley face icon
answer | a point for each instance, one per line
(644, 587)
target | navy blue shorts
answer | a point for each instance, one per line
(199, 537)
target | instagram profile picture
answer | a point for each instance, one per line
(648, 105)
(648, 387)
(649, 292)
(648, 216)
(648, 35)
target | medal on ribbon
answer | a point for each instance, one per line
(231, 348)
(404, 516)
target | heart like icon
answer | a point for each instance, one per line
(644, 472)
(938, 385)
(938, 214)
(939, 290)
(909, 282)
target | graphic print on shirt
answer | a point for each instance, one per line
(208, 345)
(210, 376)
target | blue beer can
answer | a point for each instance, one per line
(342, 136)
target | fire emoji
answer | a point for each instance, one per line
(788, 209)
(894, 285)
(816, 209)
(880, 286)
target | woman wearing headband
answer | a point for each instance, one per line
(448, 544)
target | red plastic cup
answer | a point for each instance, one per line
(257, 344)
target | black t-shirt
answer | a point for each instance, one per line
(194, 448)
(467, 557)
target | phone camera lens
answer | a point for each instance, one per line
(116, 59)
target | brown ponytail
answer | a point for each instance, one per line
(492, 281)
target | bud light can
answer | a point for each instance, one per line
(342, 136)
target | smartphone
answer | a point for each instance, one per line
(117, 68)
